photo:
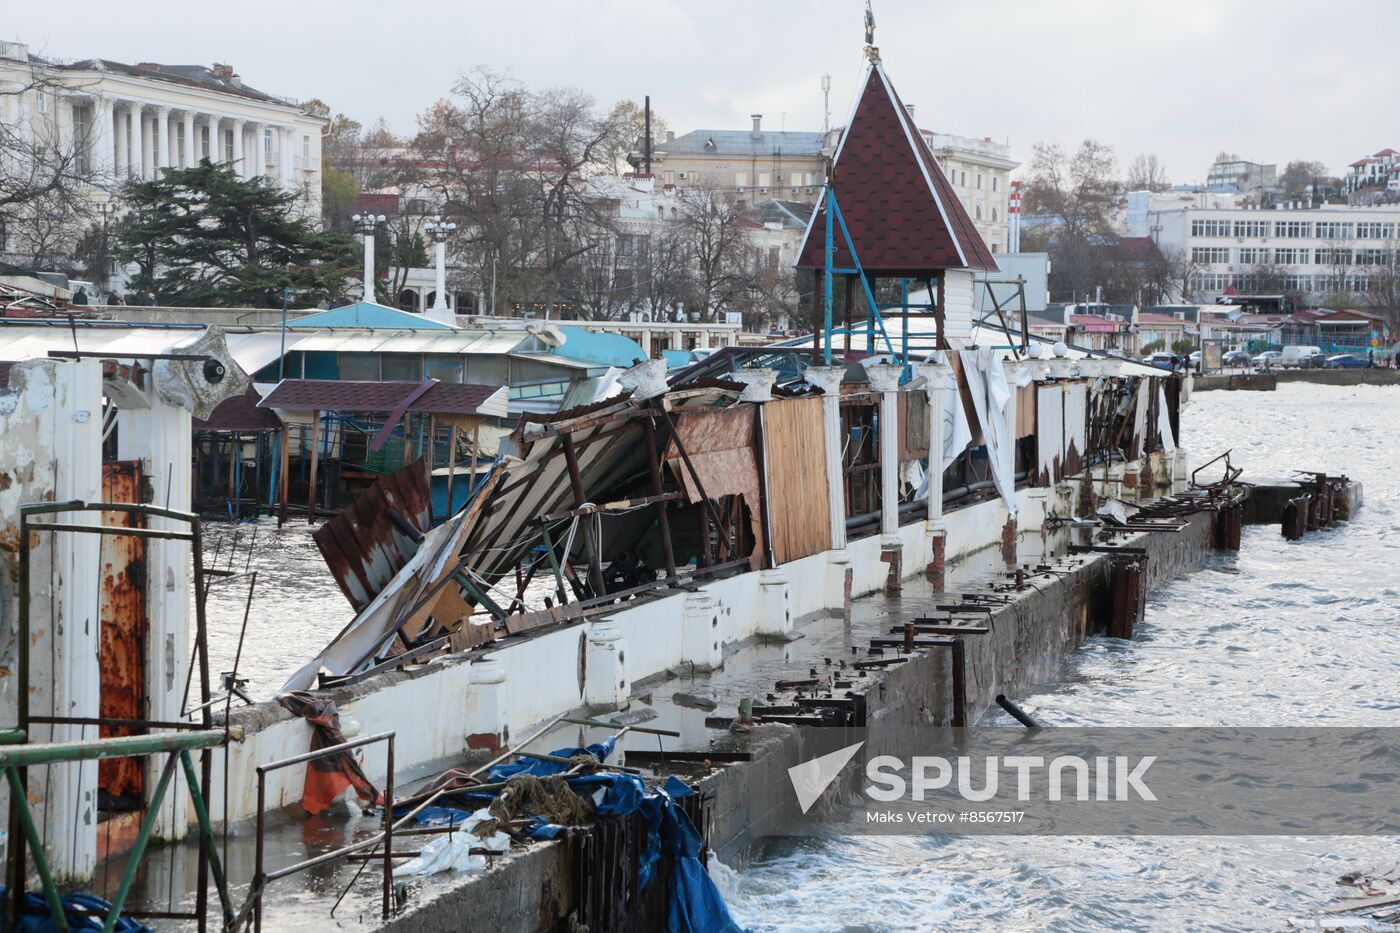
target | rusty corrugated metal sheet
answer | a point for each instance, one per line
(122, 633)
(720, 443)
(365, 545)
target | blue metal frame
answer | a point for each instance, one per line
(874, 320)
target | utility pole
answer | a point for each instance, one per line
(826, 105)
(646, 141)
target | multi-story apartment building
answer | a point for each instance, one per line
(750, 166)
(125, 121)
(1312, 252)
(759, 164)
(980, 171)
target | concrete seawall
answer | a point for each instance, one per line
(1269, 381)
(1027, 640)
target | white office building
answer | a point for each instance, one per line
(1317, 252)
(130, 121)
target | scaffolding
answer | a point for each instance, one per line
(17, 756)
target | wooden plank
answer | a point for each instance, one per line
(796, 470)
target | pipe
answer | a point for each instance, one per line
(1016, 712)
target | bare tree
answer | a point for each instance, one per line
(46, 176)
(1075, 193)
(1146, 173)
(715, 231)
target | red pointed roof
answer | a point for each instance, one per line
(903, 215)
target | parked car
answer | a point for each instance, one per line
(1269, 359)
(1164, 360)
(1235, 358)
(1195, 359)
(1347, 361)
(1299, 355)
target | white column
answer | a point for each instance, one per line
(828, 380)
(100, 137)
(935, 386)
(884, 378)
(212, 153)
(284, 155)
(440, 279)
(369, 267)
(240, 165)
(162, 141)
(259, 168)
(122, 116)
(144, 125)
(189, 154)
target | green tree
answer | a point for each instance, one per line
(203, 237)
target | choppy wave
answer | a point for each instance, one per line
(1284, 633)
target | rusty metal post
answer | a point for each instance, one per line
(663, 520)
(206, 756)
(311, 477)
(959, 684)
(909, 637)
(595, 564)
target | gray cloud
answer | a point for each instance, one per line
(1270, 79)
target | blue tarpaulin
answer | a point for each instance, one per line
(78, 908)
(694, 904)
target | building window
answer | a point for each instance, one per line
(763, 179)
(1251, 228)
(1332, 257)
(994, 215)
(1333, 231)
(1210, 228)
(267, 144)
(994, 182)
(741, 180)
(1210, 254)
(1251, 255)
(306, 151)
(979, 182)
(979, 212)
(1375, 231)
(1293, 229)
(402, 367)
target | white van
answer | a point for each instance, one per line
(1298, 356)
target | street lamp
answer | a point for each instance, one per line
(365, 225)
(439, 232)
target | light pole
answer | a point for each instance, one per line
(365, 224)
(439, 232)
(493, 285)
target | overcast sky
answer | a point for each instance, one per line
(1271, 80)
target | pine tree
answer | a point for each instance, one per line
(203, 237)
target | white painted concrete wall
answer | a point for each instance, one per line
(50, 449)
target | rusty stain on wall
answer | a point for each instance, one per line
(123, 634)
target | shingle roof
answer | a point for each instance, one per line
(742, 142)
(240, 413)
(444, 398)
(787, 213)
(903, 215)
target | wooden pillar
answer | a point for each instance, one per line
(476, 438)
(595, 563)
(311, 478)
(662, 519)
(431, 449)
(451, 467)
(283, 477)
(407, 438)
(940, 337)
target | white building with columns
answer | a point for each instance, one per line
(130, 121)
